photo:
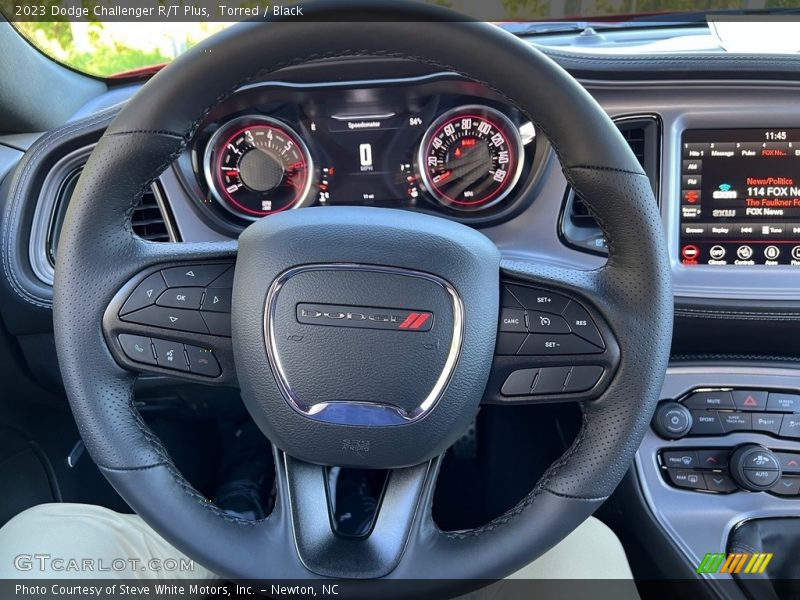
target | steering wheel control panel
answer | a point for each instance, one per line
(749, 467)
(717, 412)
(193, 298)
(175, 320)
(548, 345)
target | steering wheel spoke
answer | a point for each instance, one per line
(173, 316)
(553, 343)
(377, 547)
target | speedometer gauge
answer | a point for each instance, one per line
(256, 166)
(470, 157)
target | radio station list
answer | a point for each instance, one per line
(740, 200)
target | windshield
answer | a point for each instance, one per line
(111, 38)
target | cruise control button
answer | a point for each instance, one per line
(512, 319)
(217, 323)
(736, 422)
(789, 462)
(712, 459)
(507, 299)
(202, 361)
(749, 400)
(509, 343)
(170, 355)
(137, 347)
(705, 423)
(767, 422)
(145, 294)
(790, 427)
(787, 486)
(193, 275)
(542, 344)
(169, 318)
(712, 400)
(687, 479)
(718, 482)
(581, 323)
(583, 377)
(551, 380)
(783, 402)
(539, 299)
(217, 300)
(680, 459)
(540, 322)
(519, 383)
(188, 298)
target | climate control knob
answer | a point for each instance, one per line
(754, 467)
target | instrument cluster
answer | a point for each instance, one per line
(437, 144)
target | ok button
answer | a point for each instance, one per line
(513, 320)
(181, 298)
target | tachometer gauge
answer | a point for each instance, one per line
(256, 166)
(470, 157)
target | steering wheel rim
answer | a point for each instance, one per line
(98, 253)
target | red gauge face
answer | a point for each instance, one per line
(470, 158)
(258, 167)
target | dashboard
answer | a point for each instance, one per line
(436, 143)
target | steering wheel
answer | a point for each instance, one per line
(359, 388)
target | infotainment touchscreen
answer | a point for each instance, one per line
(740, 197)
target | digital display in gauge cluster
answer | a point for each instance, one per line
(740, 197)
(461, 159)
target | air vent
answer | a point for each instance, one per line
(151, 219)
(578, 227)
(147, 219)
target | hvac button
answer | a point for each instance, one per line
(137, 347)
(680, 459)
(145, 294)
(787, 486)
(687, 479)
(783, 402)
(790, 427)
(717, 482)
(749, 400)
(513, 320)
(712, 400)
(789, 462)
(712, 459)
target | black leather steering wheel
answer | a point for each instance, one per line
(357, 257)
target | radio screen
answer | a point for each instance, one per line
(740, 197)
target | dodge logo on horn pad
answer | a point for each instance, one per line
(366, 317)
